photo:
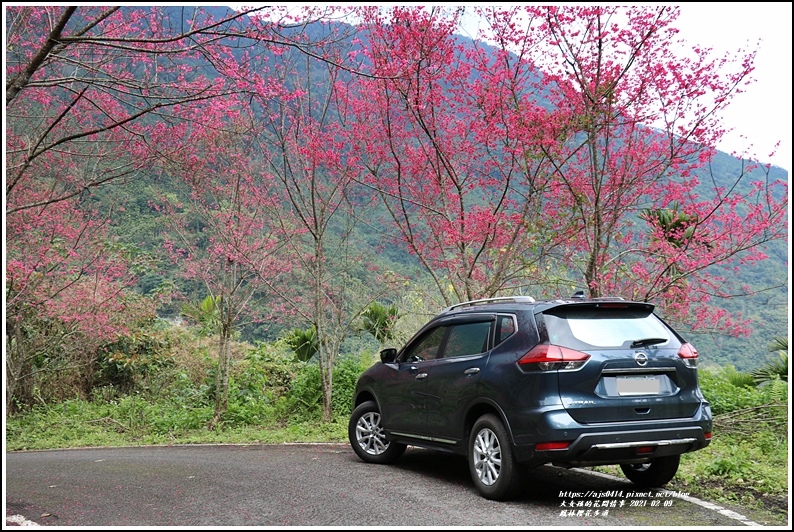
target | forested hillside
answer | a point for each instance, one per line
(766, 303)
(760, 288)
(257, 174)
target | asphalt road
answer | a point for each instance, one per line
(317, 485)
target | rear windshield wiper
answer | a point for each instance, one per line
(648, 341)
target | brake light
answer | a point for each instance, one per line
(552, 446)
(550, 357)
(707, 435)
(689, 355)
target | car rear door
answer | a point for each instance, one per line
(452, 381)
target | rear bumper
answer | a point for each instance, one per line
(616, 443)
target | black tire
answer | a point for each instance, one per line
(365, 433)
(654, 474)
(493, 468)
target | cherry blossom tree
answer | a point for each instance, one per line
(451, 137)
(230, 233)
(305, 140)
(66, 293)
(557, 169)
(643, 116)
(88, 90)
(97, 96)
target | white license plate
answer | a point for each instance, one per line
(649, 385)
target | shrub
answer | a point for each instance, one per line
(303, 401)
(725, 396)
(738, 378)
(346, 376)
(270, 384)
(128, 362)
(266, 371)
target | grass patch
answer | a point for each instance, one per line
(84, 424)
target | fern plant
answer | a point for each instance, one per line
(737, 378)
(206, 313)
(378, 320)
(776, 368)
(303, 342)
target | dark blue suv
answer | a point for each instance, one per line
(513, 383)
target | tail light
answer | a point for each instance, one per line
(689, 355)
(550, 357)
(552, 446)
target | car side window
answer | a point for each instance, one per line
(427, 348)
(505, 327)
(467, 339)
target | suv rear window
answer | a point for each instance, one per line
(595, 327)
(505, 328)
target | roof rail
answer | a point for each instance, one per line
(516, 299)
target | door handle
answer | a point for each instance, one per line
(471, 371)
(421, 376)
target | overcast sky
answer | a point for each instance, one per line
(763, 113)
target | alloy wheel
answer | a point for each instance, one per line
(487, 457)
(369, 434)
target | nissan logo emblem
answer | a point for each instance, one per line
(641, 358)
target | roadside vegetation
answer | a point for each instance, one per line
(159, 390)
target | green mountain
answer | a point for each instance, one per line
(139, 224)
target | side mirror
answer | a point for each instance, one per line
(388, 355)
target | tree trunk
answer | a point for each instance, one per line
(19, 371)
(326, 375)
(222, 376)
